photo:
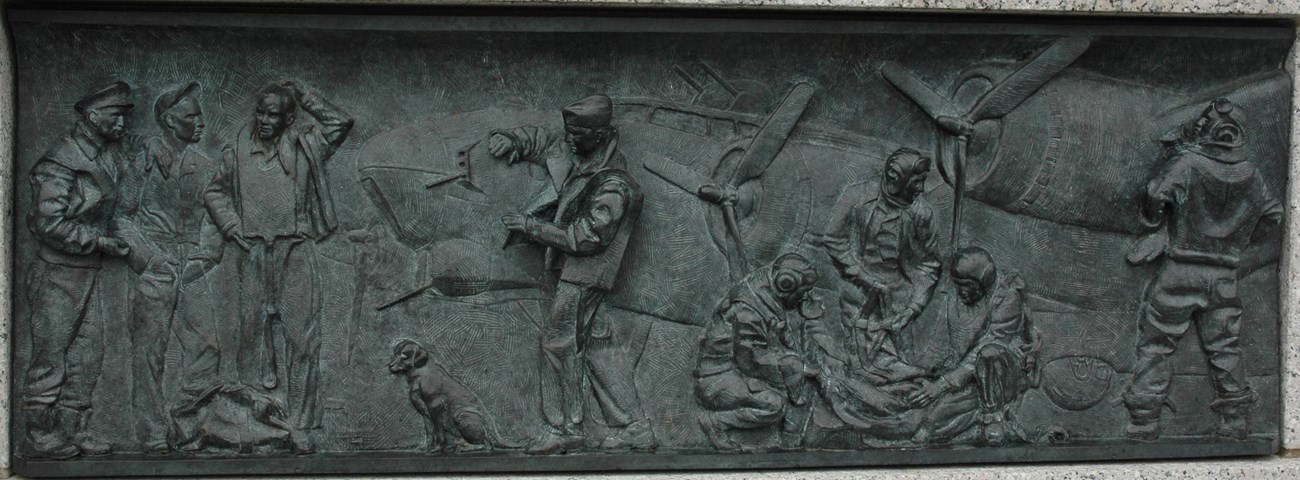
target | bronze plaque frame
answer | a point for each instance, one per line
(834, 103)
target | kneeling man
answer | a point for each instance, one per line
(752, 370)
(994, 369)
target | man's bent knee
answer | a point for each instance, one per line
(769, 405)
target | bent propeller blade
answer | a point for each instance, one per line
(1012, 91)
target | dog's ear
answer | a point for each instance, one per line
(421, 357)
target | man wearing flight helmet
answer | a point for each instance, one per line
(993, 367)
(753, 369)
(1203, 210)
(881, 239)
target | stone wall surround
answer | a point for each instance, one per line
(1285, 465)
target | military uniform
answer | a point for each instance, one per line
(1213, 204)
(164, 221)
(869, 236)
(992, 371)
(278, 197)
(74, 195)
(596, 204)
(751, 369)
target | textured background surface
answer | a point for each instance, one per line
(1259, 468)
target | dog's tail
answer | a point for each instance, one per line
(492, 431)
(494, 434)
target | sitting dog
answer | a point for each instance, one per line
(451, 411)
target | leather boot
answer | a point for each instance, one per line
(636, 436)
(1143, 430)
(555, 442)
(1232, 423)
(301, 443)
(791, 440)
(1144, 416)
(74, 423)
(47, 439)
(994, 431)
(716, 432)
(1232, 411)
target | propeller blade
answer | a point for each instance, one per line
(691, 181)
(944, 156)
(1008, 94)
(769, 140)
(958, 191)
(677, 174)
(922, 95)
(737, 265)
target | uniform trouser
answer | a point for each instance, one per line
(999, 376)
(279, 287)
(158, 301)
(997, 383)
(581, 353)
(66, 320)
(1183, 293)
(740, 402)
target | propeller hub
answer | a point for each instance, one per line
(717, 194)
(958, 126)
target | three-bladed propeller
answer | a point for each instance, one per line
(955, 127)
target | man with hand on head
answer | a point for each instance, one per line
(270, 196)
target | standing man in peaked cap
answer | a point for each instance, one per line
(74, 190)
(173, 244)
(595, 204)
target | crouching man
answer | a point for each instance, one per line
(752, 369)
(997, 362)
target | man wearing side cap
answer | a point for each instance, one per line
(173, 244)
(270, 196)
(74, 189)
(596, 204)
